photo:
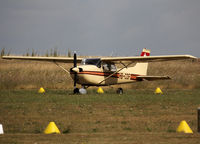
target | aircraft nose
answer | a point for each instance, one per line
(76, 69)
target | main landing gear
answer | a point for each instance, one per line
(119, 91)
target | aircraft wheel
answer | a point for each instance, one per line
(82, 91)
(76, 91)
(119, 91)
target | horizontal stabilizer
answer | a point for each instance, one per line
(153, 78)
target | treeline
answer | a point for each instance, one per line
(3, 52)
(52, 53)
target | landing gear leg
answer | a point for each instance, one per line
(119, 91)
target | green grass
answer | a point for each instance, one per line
(138, 116)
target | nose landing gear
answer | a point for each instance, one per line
(76, 91)
(80, 91)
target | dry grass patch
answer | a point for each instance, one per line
(16, 74)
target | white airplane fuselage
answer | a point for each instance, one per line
(91, 75)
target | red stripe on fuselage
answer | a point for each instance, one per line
(99, 73)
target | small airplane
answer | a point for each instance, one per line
(104, 72)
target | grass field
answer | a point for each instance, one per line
(138, 116)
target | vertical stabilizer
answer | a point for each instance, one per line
(140, 68)
(145, 52)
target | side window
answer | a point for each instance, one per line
(113, 67)
(109, 67)
(105, 67)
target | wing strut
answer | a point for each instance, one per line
(125, 66)
(62, 67)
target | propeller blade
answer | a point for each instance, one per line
(75, 73)
(75, 60)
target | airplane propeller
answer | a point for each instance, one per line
(75, 70)
(75, 73)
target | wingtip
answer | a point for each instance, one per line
(190, 56)
(168, 77)
(4, 57)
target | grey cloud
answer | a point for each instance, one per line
(94, 27)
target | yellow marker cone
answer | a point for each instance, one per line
(158, 91)
(100, 90)
(41, 90)
(51, 129)
(184, 127)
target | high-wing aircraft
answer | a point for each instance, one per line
(104, 72)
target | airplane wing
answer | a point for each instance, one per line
(107, 59)
(152, 78)
(51, 59)
(148, 58)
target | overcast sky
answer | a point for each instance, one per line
(101, 27)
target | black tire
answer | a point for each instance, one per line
(119, 91)
(76, 91)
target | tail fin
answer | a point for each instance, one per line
(140, 68)
(145, 52)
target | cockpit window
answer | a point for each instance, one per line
(92, 61)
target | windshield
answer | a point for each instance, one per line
(92, 61)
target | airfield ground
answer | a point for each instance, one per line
(138, 116)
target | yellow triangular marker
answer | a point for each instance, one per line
(41, 90)
(100, 90)
(184, 127)
(51, 129)
(158, 91)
